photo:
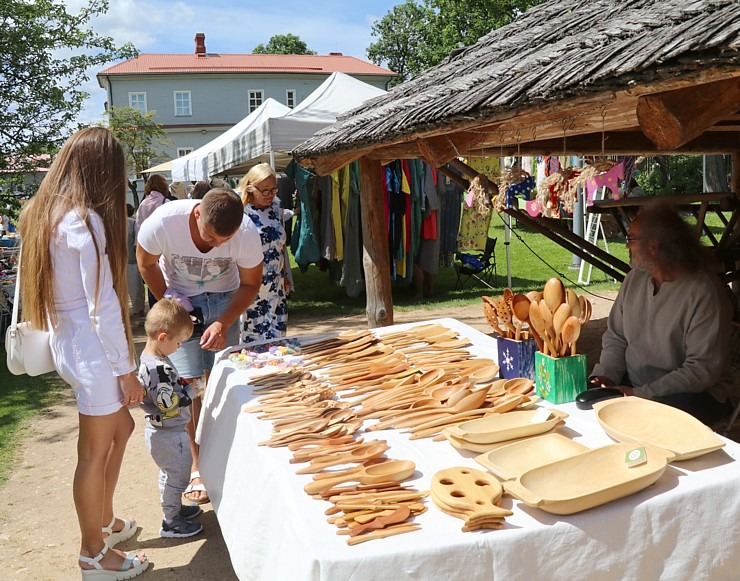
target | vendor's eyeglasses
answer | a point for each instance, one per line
(630, 239)
(270, 192)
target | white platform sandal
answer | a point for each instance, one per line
(115, 537)
(132, 567)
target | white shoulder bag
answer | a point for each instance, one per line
(29, 351)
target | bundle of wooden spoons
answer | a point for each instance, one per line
(365, 516)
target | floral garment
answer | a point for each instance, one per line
(267, 316)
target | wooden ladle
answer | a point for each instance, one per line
(394, 471)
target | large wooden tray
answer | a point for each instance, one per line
(508, 426)
(511, 460)
(634, 419)
(587, 480)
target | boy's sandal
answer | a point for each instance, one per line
(132, 567)
(196, 488)
(115, 537)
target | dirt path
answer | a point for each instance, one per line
(39, 537)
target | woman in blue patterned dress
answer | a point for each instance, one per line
(267, 316)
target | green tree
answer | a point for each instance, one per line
(139, 135)
(414, 37)
(401, 33)
(283, 44)
(47, 53)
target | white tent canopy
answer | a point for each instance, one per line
(278, 135)
(194, 165)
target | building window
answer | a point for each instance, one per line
(255, 100)
(184, 151)
(182, 103)
(137, 101)
(290, 98)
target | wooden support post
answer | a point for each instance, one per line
(375, 259)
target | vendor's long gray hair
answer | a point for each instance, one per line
(677, 243)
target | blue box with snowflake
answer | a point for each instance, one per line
(559, 379)
(516, 358)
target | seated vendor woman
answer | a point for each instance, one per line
(668, 333)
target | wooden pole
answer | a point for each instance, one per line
(375, 259)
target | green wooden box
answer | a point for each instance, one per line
(559, 379)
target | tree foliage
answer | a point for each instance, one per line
(413, 37)
(283, 44)
(140, 135)
(47, 54)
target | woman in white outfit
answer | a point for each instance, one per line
(73, 282)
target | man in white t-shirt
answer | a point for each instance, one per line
(208, 254)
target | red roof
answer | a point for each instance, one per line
(244, 63)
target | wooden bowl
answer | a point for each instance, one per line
(587, 480)
(511, 460)
(508, 426)
(638, 420)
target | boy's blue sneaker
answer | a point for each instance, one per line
(179, 528)
(189, 512)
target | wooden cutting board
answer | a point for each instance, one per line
(469, 490)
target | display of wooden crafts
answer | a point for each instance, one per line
(554, 316)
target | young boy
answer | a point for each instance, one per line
(166, 405)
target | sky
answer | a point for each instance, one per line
(230, 26)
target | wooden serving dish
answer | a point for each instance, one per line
(459, 444)
(511, 460)
(638, 420)
(587, 480)
(508, 426)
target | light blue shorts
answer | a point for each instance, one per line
(191, 360)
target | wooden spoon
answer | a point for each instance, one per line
(553, 293)
(571, 332)
(538, 325)
(394, 471)
(558, 318)
(360, 454)
(549, 336)
(572, 299)
(520, 305)
(397, 516)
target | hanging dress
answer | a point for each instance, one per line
(267, 316)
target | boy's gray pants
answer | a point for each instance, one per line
(170, 449)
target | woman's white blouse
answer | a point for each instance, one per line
(76, 261)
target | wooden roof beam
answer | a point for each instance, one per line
(674, 118)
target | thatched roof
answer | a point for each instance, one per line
(648, 75)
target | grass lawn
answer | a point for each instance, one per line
(22, 398)
(534, 259)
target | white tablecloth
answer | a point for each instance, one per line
(685, 526)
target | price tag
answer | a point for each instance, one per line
(540, 416)
(635, 457)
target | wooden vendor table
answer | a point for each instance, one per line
(685, 526)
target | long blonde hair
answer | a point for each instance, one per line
(256, 175)
(88, 174)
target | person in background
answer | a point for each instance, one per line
(199, 190)
(133, 276)
(267, 316)
(208, 254)
(668, 333)
(156, 191)
(167, 408)
(73, 283)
